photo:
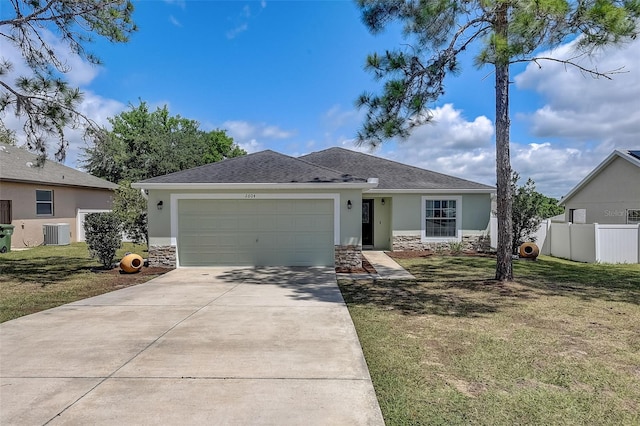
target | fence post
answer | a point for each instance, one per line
(570, 242)
(596, 236)
(638, 241)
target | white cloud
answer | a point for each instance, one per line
(175, 21)
(581, 121)
(241, 22)
(80, 74)
(234, 32)
(180, 3)
(274, 132)
(451, 144)
(251, 146)
(253, 137)
(336, 117)
(583, 109)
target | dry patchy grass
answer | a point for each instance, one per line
(48, 276)
(561, 345)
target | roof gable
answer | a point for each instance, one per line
(17, 164)
(627, 155)
(267, 167)
(391, 174)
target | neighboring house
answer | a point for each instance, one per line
(323, 208)
(610, 194)
(32, 196)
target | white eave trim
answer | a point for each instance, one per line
(235, 186)
(597, 170)
(432, 191)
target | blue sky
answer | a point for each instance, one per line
(284, 75)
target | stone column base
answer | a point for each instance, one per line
(162, 256)
(349, 257)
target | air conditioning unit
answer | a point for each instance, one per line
(56, 234)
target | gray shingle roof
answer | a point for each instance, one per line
(391, 174)
(260, 167)
(17, 164)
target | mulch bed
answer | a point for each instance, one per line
(121, 279)
(412, 254)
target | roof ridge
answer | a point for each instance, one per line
(327, 168)
(395, 162)
(224, 160)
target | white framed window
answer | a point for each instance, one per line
(44, 202)
(633, 216)
(441, 218)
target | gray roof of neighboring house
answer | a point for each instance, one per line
(17, 164)
(260, 167)
(391, 174)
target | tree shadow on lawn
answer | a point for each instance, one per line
(543, 277)
(587, 281)
(462, 298)
(464, 286)
(44, 270)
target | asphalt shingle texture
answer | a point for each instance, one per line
(19, 165)
(261, 167)
(391, 174)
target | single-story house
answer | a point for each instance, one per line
(52, 194)
(610, 194)
(323, 208)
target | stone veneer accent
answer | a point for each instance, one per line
(348, 256)
(479, 243)
(345, 256)
(162, 256)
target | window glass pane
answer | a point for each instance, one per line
(43, 195)
(440, 218)
(44, 208)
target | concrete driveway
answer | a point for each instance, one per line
(269, 346)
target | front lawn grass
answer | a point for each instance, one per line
(48, 276)
(561, 345)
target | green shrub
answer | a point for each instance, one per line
(456, 247)
(103, 233)
(439, 249)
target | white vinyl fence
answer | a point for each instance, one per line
(586, 242)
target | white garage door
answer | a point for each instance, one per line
(255, 232)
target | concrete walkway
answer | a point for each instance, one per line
(273, 346)
(386, 267)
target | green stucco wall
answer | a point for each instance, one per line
(407, 213)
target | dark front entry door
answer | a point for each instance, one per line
(367, 222)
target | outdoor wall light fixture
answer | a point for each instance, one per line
(383, 201)
(159, 205)
(349, 205)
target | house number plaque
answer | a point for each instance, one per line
(249, 195)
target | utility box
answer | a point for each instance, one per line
(6, 231)
(56, 234)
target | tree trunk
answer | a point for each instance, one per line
(504, 267)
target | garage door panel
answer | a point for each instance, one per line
(248, 223)
(255, 232)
